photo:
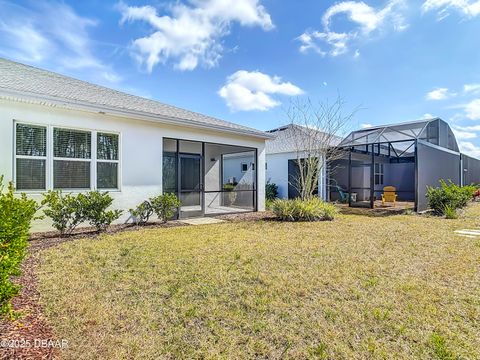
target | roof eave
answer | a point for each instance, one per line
(39, 99)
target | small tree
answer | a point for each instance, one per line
(315, 132)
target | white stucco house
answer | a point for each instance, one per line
(57, 132)
(283, 152)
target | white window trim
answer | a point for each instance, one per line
(50, 158)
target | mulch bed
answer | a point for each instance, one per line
(32, 325)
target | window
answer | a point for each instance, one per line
(70, 159)
(30, 157)
(244, 167)
(379, 174)
(107, 161)
(72, 156)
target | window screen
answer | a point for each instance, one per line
(30, 153)
(71, 174)
(107, 161)
(75, 145)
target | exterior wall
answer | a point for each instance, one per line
(470, 170)
(232, 168)
(277, 173)
(430, 173)
(140, 148)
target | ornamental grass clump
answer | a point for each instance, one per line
(313, 209)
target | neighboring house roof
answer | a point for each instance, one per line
(26, 83)
(289, 137)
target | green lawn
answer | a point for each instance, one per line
(359, 287)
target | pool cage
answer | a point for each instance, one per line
(408, 156)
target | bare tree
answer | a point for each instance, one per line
(314, 133)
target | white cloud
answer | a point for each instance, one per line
(463, 135)
(469, 148)
(439, 94)
(469, 128)
(427, 116)
(472, 110)
(50, 34)
(246, 91)
(192, 34)
(471, 88)
(468, 8)
(365, 126)
(366, 18)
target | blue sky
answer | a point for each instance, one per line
(243, 60)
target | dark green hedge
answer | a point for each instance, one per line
(16, 215)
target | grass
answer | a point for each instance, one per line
(359, 287)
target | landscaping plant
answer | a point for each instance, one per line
(64, 210)
(16, 215)
(67, 211)
(230, 196)
(449, 196)
(313, 209)
(450, 212)
(165, 206)
(94, 205)
(271, 191)
(142, 213)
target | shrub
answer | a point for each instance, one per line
(165, 206)
(314, 209)
(93, 206)
(142, 213)
(271, 191)
(64, 210)
(67, 211)
(448, 195)
(16, 215)
(450, 212)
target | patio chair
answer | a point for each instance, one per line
(389, 195)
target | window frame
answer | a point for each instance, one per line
(380, 173)
(95, 140)
(15, 156)
(50, 157)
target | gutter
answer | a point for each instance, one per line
(124, 113)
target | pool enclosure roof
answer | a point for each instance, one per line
(434, 131)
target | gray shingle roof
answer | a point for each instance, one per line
(27, 80)
(289, 137)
